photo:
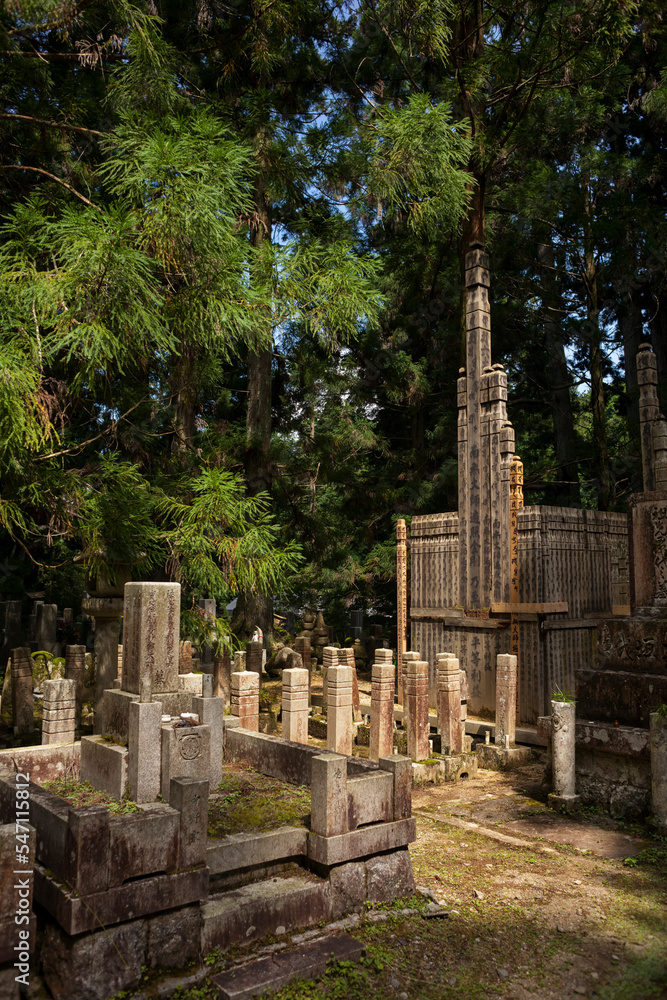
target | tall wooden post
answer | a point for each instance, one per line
(516, 503)
(401, 603)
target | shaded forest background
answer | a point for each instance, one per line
(230, 278)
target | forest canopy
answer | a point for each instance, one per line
(231, 248)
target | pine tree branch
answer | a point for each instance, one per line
(63, 126)
(58, 180)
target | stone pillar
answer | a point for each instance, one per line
(59, 712)
(190, 797)
(506, 669)
(329, 659)
(253, 658)
(658, 731)
(239, 660)
(222, 671)
(302, 647)
(408, 656)
(45, 627)
(144, 750)
(75, 665)
(22, 699)
(295, 705)
(416, 690)
(382, 705)
(328, 794)
(151, 637)
(401, 768)
(185, 657)
(401, 602)
(107, 613)
(563, 749)
(346, 658)
(207, 685)
(245, 698)
(209, 609)
(649, 411)
(516, 503)
(211, 713)
(339, 710)
(448, 679)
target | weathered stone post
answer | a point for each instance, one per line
(222, 669)
(211, 713)
(144, 750)
(107, 613)
(45, 627)
(382, 705)
(295, 705)
(516, 504)
(75, 665)
(416, 690)
(448, 677)
(59, 713)
(658, 730)
(150, 634)
(22, 699)
(563, 737)
(401, 603)
(339, 710)
(328, 794)
(245, 698)
(329, 659)
(506, 670)
(253, 658)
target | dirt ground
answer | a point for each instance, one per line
(535, 906)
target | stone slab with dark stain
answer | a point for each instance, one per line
(280, 969)
(140, 898)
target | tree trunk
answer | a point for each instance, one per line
(558, 380)
(629, 316)
(600, 446)
(184, 404)
(257, 609)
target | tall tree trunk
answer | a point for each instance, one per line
(630, 325)
(558, 379)
(257, 609)
(600, 445)
(184, 403)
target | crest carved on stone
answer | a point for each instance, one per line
(189, 746)
(659, 521)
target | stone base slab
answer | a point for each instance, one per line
(42, 763)
(566, 803)
(499, 759)
(278, 970)
(140, 898)
(246, 850)
(452, 767)
(361, 843)
(247, 914)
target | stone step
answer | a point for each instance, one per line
(281, 968)
(273, 906)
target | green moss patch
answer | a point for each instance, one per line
(247, 801)
(82, 793)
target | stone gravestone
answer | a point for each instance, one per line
(22, 698)
(46, 621)
(506, 699)
(245, 698)
(382, 705)
(449, 702)
(416, 697)
(339, 710)
(222, 670)
(75, 665)
(253, 659)
(295, 705)
(59, 713)
(329, 660)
